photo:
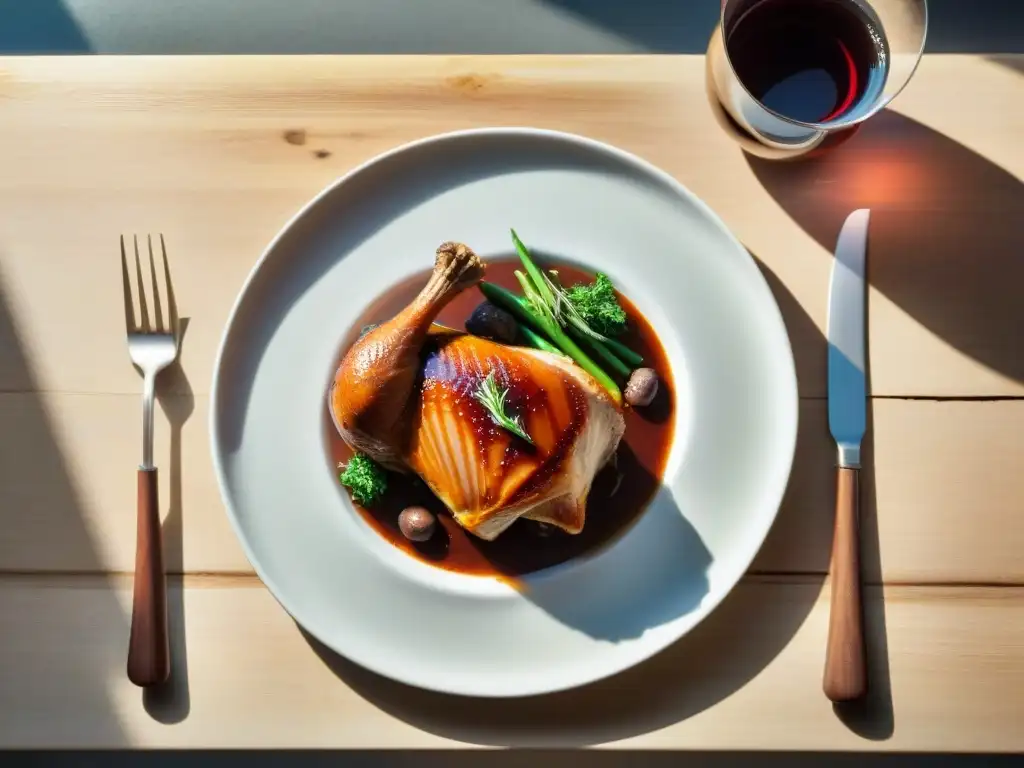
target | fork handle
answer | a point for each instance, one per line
(845, 676)
(149, 660)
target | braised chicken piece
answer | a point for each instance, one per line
(408, 395)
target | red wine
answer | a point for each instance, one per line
(814, 61)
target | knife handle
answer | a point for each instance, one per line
(845, 676)
(149, 658)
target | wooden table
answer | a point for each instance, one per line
(217, 153)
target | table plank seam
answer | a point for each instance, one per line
(789, 577)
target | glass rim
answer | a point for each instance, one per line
(834, 125)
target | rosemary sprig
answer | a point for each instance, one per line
(493, 399)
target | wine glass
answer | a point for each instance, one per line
(791, 72)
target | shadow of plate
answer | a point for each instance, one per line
(719, 656)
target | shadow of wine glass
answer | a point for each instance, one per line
(946, 241)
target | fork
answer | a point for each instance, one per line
(152, 346)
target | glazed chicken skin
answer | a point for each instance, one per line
(405, 394)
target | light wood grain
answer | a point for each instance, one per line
(955, 659)
(217, 153)
(196, 148)
(941, 490)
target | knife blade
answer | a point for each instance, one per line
(845, 676)
(847, 387)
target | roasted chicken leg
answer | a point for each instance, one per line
(406, 394)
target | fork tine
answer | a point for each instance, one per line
(157, 311)
(143, 309)
(172, 305)
(129, 307)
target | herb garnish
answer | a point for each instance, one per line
(493, 399)
(365, 478)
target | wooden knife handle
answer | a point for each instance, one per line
(845, 667)
(149, 658)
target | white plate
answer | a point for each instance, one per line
(728, 468)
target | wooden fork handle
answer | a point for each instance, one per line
(845, 676)
(149, 661)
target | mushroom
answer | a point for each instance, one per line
(417, 523)
(642, 387)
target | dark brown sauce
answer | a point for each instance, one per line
(527, 546)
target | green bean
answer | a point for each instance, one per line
(612, 362)
(579, 356)
(624, 353)
(535, 340)
(532, 297)
(533, 271)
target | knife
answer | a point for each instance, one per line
(845, 675)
